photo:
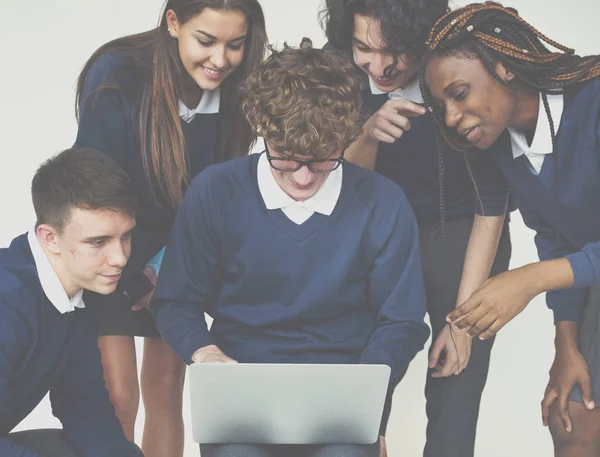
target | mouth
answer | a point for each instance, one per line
(112, 278)
(471, 134)
(212, 73)
(383, 81)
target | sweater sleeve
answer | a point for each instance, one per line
(567, 304)
(396, 290)
(188, 273)
(14, 342)
(80, 401)
(104, 121)
(586, 263)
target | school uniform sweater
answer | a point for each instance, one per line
(109, 123)
(344, 288)
(570, 225)
(412, 162)
(43, 350)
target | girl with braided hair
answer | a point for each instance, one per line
(490, 78)
(464, 238)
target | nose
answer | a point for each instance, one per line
(379, 62)
(453, 116)
(303, 176)
(119, 254)
(219, 57)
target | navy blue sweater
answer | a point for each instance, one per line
(412, 162)
(41, 351)
(108, 123)
(570, 227)
(344, 288)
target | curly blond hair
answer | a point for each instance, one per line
(304, 101)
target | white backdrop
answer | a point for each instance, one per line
(44, 44)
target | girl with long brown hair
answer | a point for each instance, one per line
(491, 78)
(164, 104)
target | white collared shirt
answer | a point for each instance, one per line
(412, 92)
(209, 104)
(542, 140)
(323, 202)
(51, 285)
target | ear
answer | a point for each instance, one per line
(505, 73)
(48, 238)
(172, 23)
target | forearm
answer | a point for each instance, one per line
(566, 335)
(363, 152)
(480, 255)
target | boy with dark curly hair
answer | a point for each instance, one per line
(323, 254)
(463, 232)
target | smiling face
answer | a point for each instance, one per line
(477, 105)
(91, 251)
(211, 44)
(371, 56)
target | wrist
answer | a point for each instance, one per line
(566, 336)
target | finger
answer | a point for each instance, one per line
(397, 122)
(471, 319)
(449, 366)
(461, 311)
(491, 331)
(436, 351)
(588, 396)
(383, 137)
(547, 402)
(137, 307)
(564, 410)
(406, 107)
(482, 325)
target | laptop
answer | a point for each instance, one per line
(287, 403)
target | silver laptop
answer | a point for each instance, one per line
(287, 403)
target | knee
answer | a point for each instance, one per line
(583, 440)
(233, 450)
(125, 400)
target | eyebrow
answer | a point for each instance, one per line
(357, 41)
(212, 37)
(96, 238)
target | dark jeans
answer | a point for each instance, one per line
(452, 402)
(255, 450)
(48, 443)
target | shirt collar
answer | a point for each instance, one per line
(322, 202)
(412, 92)
(542, 139)
(51, 285)
(209, 104)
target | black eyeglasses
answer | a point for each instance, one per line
(291, 165)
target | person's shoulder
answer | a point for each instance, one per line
(222, 180)
(113, 69)
(18, 274)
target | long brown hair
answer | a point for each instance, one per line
(156, 55)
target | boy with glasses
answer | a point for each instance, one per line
(299, 256)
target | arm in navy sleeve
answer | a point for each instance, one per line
(586, 263)
(14, 342)
(567, 304)
(491, 189)
(396, 290)
(103, 126)
(80, 401)
(188, 273)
